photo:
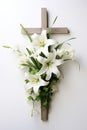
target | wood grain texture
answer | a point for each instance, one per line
(44, 113)
(44, 18)
(59, 30)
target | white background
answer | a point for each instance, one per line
(69, 106)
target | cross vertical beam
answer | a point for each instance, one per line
(44, 18)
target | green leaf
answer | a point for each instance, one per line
(25, 65)
(61, 44)
(58, 57)
(6, 46)
(33, 71)
(28, 64)
(49, 29)
(43, 55)
(29, 52)
(45, 89)
(27, 33)
(37, 98)
(66, 59)
(49, 33)
(36, 63)
(54, 20)
(45, 103)
(39, 64)
(27, 81)
(43, 76)
(30, 98)
(31, 64)
(68, 40)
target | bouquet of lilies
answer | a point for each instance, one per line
(41, 63)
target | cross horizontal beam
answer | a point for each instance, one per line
(44, 25)
(59, 30)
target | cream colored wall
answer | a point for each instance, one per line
(69, 106)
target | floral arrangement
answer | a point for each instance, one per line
(41, 63)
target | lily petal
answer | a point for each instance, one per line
(50, 42)
(36, 88)
(56, 71)
(34, 36)
(43, 34)
(58, 62)
(48, 76)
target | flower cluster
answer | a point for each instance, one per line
(41, 62)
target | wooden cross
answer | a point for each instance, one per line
(44, 25)
(56, 30)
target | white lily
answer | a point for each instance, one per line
(66, 53)
(41, 43)
(35, 82)
(50, 65)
